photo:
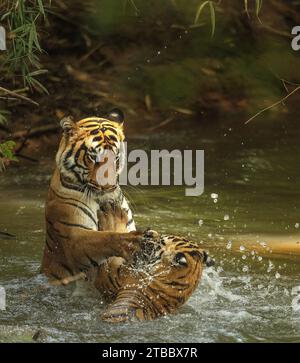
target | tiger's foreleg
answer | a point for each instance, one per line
(98, 245)
(73, 250)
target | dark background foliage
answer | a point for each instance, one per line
(159, 60)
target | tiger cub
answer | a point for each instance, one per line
(161, 279)
(75, 239)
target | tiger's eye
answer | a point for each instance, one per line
(180, 259)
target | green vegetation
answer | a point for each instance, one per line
(6, 153)
(20, 64)
(161, 55)
(22, 19)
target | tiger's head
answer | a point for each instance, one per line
(174, 257)
(89, 152)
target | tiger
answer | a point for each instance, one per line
(159, 282)
(75, 241)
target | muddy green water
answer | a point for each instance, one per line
(253, 292)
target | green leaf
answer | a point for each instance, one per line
(41, 7)
(31, 38)
(22, 57)
(210, 4)
(258, 5)
(38, 72)
(246, 8)
(3, 116)
(37, 85)
(7, 150)
(213, 18)
(199, 11)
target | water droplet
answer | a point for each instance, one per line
(200, 222)
(244, 257)
(277, 275)
(215, 200)
(245, 269)
(259, 258)
(229, 245)
(271, 266)
(226, 217)
(297, 225)
(214, 196)
(242, 248)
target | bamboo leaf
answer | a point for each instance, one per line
(210, 4)
(246, 8)
(31, 38)
(199, 11)
(258, 6)
(213, 18)
(37, 85)
(41, 7)
(38, 72)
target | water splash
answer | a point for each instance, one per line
(213, 282)
(296, 299)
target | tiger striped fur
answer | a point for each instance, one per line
(158, 283)
(75, 240)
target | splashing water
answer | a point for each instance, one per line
(228, 306)
(296, 300)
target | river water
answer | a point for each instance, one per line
(252, 229)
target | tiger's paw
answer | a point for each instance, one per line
(150, 234)
(111, 217)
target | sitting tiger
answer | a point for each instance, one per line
(75, 241)
(157, 283)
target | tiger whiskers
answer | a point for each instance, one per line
(131, 201)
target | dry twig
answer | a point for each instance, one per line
(17, 95)
(273, 105)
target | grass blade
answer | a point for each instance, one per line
(246, 8)
(213, 18)
(258, 6)
(199, 11)
(210, 4)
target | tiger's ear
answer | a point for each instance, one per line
(208, 260)
(116, 115)
(68, 125)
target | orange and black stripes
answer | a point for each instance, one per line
(165, 281)
(73, 231)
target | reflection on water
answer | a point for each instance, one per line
(251, 227)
